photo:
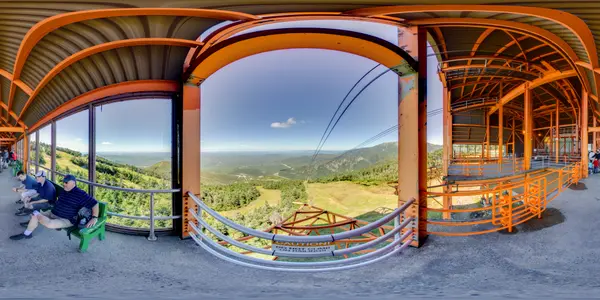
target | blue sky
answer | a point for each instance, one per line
(128, 126)
(280, 100)
(283, 100)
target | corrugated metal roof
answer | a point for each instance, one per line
(165, 62)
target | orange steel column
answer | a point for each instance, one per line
(191, 153)
(447, 119)
(25, 154)
(594, 137)
(487, 136)
(556, 134)
(500, 135)
(584, 133)
(528, 126)
(412, 132)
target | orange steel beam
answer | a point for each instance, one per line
(528, 124)
(576, 25)
(412, 129)
(12, 129)
(232, 29)
(106, 91)
(537, 33)
(447, 69)
(101, 48)
(584, 133)
(249, 44)
(548, 77)
(191, 153)
(44, 27)
(480, 40)
(440, 36)
(455, 86)
(534, 32)
(8, 140)
(447, 144)
(490, 58)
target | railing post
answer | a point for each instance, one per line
(199, 213)
(152, 236)
(396, 224)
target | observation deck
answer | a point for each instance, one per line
(558, 260)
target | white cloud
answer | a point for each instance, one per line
(78, 139)
(286, 124)
(106, 143)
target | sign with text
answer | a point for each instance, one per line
(290, 247)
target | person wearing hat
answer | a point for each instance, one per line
(28, 188)
(45, 199)
(65, 211)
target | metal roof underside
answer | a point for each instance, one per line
(514, 62)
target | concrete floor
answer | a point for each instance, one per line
(558, 261)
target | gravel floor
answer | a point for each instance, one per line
(540, 260)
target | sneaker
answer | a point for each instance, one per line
(24, 224)
(19, 202)
(21, 236)
(23, 213)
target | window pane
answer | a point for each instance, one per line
(32, 158)
(133, 150)
(45, 142)
(72, 147)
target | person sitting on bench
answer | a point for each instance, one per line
(45, 199)
(65, 211)
(28, 187)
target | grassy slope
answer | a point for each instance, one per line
(65, 161)
(345, 198)
(351, 199)
(270, 196)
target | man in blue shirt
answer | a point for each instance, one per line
(45, 199)
(65, 211)
(28, 187)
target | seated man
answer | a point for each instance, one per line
(27, 188)
(45, 199)
(65, 211)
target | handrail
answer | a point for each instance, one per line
(215, 248)
(151, 218)
(503, 208)
(301, 239)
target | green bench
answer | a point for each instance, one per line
(85, 235)
(17, 166)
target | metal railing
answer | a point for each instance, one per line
(399, 242)
(500, 204)
(151, 218)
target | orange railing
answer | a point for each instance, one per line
(504, 203)
(476, 166)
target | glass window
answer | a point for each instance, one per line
(32, 158)
(45, 151)
(133, 150)
(72, 146)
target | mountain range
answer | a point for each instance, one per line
(224, 167)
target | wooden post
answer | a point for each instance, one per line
(191, 153)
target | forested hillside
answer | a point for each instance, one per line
(120, 175)
(370, 167)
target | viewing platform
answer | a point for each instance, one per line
(553, 256)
